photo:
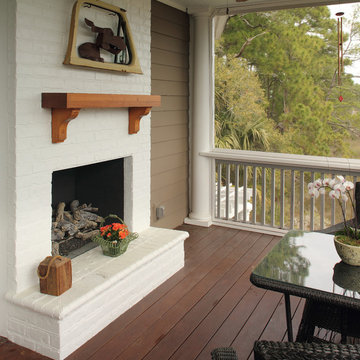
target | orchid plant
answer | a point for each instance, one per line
(340, 189)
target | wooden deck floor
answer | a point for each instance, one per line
(209, 303)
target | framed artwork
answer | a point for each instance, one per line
(100, 37)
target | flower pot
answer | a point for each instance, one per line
(110, 249)
(347, 277)
(349, 254)
(114, 238)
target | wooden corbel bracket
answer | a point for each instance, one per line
(66, 107)
(135, 115)
(59, 122)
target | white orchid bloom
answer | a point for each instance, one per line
(340, 179)
(348, 185)
(322, 191)
(334, 194)
(326, 182)
(310, 186)
(318, 183)
(332, 183)
(314, 193)
(340, 187)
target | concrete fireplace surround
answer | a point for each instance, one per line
(36, 33)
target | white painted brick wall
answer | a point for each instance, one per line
(94, 136)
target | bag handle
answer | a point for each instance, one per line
(48, 267)
(111, 216)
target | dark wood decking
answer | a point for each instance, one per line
(209, 303)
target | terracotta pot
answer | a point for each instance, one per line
(349, 254)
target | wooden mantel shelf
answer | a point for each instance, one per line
(66, 107)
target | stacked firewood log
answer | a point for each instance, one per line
(74, 226)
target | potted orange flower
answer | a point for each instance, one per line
(114, 238)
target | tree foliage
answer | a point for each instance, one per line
(240, 120)
(276, 84)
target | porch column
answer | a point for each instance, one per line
(201, 122)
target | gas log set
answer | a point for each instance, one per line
(74, 227)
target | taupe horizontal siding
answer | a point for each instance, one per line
(169, 58)
(166, 148)
(176, 211)
(166, 133)
(170, 121)
(164, 42)
(174, 30)
(172, 103)
(167, 163)
(169, 73)
(171, 88)
(167, 192)
(169, 177)
(166, 118)
(160, 10)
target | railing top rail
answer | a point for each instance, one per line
(293, 161)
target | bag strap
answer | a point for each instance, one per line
(48, 267)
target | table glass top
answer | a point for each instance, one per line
(310, 259)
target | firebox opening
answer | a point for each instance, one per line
(100, 185)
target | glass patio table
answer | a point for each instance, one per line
(306, 264)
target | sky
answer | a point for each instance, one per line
(347, 9)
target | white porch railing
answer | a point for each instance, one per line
(268, 191)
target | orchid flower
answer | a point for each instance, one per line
(334, 194)
(318, 183)
(314, 193)
(340, 189)
(348, 185)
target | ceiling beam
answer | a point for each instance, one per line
(219, 7)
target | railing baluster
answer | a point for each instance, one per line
(353, 195)
(302, 200)
(282, 198)
(312, 205)
(245, 193)
(254, 195)
(219, 190)
(292, 202)
(333, 202)
(322, 207)
(272, 197)
(227, 201)
(237, 192)
(263, 205)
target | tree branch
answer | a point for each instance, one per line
(247, 42)
(250, 25)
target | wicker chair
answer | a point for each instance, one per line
(342, 320)
(226, 353)
(270, 350)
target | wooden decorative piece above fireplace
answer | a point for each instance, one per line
(101, 51)
(66, 106)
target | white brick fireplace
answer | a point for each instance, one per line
(36, 34)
